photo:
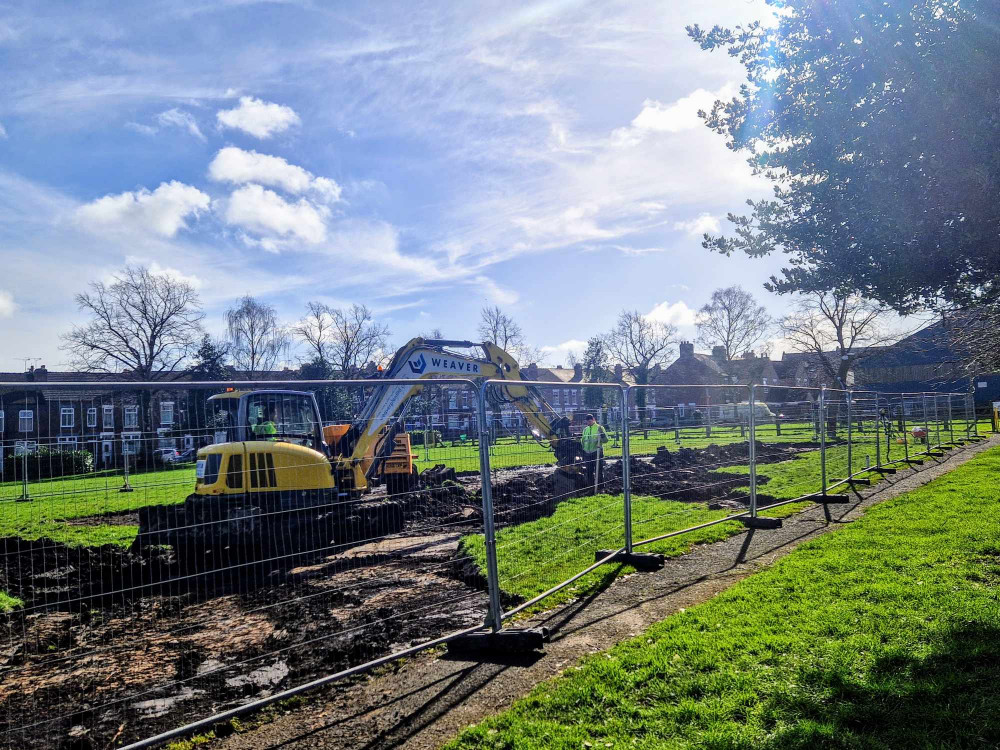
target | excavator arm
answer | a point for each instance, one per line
(371, 438)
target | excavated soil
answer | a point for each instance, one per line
(116, 643)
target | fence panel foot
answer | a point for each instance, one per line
(508, 641)
(760, 522)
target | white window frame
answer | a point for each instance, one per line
(108, 416)
(68, 440)
(680, 411)
(25, 446)
(92, 416)
(128, 438)
(64, 412)
(573, 394)
(3, 423)
(131, 420)
(29, 415)
(163, 407)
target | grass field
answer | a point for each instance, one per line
(884, 634)
(532, 557)
(56, 502)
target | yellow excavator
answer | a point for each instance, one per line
(276, 479)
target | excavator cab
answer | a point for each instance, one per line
(268, 415)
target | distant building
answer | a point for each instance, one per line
(924, 361)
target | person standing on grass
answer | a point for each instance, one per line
(594, 437)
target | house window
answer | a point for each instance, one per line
(2, 424)
(452, 400)
(131, 417)
(66, 417)
(166, 412)
(68, 442)
(573, 396)
(92, 416)
(130, 441)
(26, 420)
(680, 410)
(22, 447)
(109, 417)
(765, 381)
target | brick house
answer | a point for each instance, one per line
(106, 420)
(924, 361)
(693, 368)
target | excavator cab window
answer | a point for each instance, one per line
(284, 417)
(223, 420)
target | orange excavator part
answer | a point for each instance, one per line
(334, 432)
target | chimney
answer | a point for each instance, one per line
(41, 374)
(687, 349)
(619, 373)
(719, 353)
(749, 355)
(578, 372)
(532, 371)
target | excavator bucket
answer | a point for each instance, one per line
(437, 475)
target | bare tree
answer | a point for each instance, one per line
(499, 328)
(316, 330)
(496, 327)
(733, 319)
(143, 325)
(257, 341)
(838, 329)
(356, 339)
(639, 344)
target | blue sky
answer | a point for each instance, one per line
(423, 158)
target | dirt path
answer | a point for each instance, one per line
(430, 698)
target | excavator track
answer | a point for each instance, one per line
(210, 531)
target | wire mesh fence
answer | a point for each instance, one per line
(186, 551)
(168, 552)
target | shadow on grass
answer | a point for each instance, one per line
(948, 698)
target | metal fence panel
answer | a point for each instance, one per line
(690, 458)
(134, 609)
(551, 514)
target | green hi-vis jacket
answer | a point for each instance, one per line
(264, 429)
(593, 436)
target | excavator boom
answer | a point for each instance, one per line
(370, 439)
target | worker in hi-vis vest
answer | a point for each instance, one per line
(266, 428)
(594, 437)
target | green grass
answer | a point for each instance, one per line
(8, 602)
(885, 634)
(54, 502)
(532, 557)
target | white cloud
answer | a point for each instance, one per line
(140, 128)
(163, 211)
(635, 251)
(3, 132)
(563, 353)
(166, 271)
(704, 223)
(676, 313)
(656, 117)
(258, 118)
(179, 119)
(264, 212)
(7, 305)
(495, 293)
(237, 166)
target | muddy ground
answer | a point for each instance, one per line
(113, 645)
